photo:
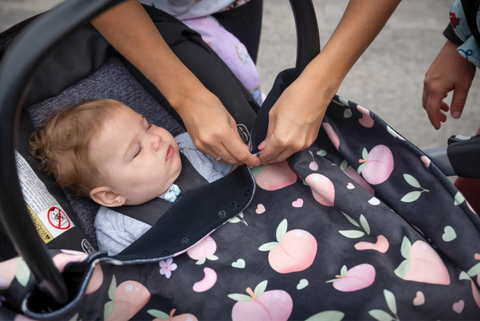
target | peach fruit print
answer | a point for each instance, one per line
(366, 119)
(126, 300)
(357, 278)
(422, 264)
(294, 251)
(258, 305)
(160, 315)
(332, 135)
(377, 165)
(322, 189)
(352, 173)
(275, 176)
(203, 250)
(96, 280)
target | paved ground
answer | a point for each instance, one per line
(387, 79)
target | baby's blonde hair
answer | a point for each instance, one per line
(62, 143)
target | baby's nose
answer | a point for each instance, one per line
(156, 140)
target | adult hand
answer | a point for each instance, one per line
(449, 71)
(213, 130)
(295, 119)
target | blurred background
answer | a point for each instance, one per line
(387, 79)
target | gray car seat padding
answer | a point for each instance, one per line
(112, 81)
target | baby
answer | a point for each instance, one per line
(104, 150)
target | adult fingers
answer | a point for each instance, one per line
(283, 155)
(424, 97)
(271, 151)
(434, 102)
(458, 101)
(239, 154)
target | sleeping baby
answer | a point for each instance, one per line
(104, 150)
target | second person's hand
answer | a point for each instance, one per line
(449, 71)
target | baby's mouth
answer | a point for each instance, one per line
(170, 153)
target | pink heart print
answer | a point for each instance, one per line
(260, 209)
(298, 203)
(419, 299)
(458, 307)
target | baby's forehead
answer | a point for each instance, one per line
(122, 124)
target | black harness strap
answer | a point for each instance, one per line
(197, 214)
(151, 211)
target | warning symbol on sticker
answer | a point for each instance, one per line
(58, 219)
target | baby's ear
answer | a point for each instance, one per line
(104, 195)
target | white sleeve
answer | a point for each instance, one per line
(116, 231)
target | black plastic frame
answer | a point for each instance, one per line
(16, 72)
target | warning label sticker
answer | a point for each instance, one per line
(48, 216)
(42, 231)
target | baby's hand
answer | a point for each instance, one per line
(449, 71)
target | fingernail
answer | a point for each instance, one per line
(456, 114)
(262, 145)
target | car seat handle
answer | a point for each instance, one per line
(308, 36)
(17, 69)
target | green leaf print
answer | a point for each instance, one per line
(343, 271)
(327, 316)
(380, 315)
(411, 197)
(361, 167)
(260, 288)
(74, 318)
(347, 113)
(365, 154)
(459, 199)
(390, 298)
(268, 246)
(23, 272)
(344, 165)
(402, 270)
(411, 180)
(351, 220)
(257, 170)
(158, 314)
(282, 230)
(475, 270)
(364, 223)
(391, 132)
(352, 234)
(112, 288)
(240, 297)
(201, 261)
(405, 248)
(464, 276)
(321, 152)
(343, 101)
(108, 309)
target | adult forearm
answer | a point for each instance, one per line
(130, 30)
(360, 24)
